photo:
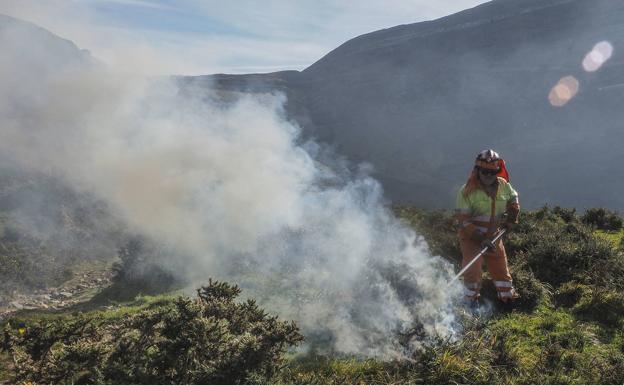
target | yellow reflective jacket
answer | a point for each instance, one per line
(478, 211)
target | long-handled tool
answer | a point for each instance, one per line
(497, 236)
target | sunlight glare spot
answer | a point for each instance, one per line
(597, 56)
(563, 91)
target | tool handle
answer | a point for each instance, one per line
(498, 236)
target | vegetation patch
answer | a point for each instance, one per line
(46, 228)
(566, 327)
(27, 263)
(602, 219)
(592, 303)
(208, 340)
(615, 237)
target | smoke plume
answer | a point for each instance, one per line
(233, 189)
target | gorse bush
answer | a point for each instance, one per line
(602, 219)
(558, 253)
(566, 214)
(208, 340)
(138, 270)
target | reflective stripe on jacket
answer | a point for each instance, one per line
(476, 211)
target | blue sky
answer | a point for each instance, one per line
(220, 36)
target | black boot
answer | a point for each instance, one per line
(508, 306)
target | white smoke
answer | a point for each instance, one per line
(231, 187)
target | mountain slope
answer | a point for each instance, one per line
(46, 226)
(419, 101)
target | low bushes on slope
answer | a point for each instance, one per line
(602, 219)
(546, 347)
(592, 303)
(27, 263)
(47, 227)
(560, 249)
(568, 329)
(208, 340)
(138, 270)
(553, 245)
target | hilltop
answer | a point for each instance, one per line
(418, 101)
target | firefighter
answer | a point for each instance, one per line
(486, 203)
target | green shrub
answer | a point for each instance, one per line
(570, 294)
(566, 214)
(602, 219)
(469, 361)
(592, 303)
(558, 252)
(138, 271)
(209, 340)
(548, 248)
(546, 347)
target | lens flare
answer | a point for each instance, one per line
(563, 91)
(597, 56)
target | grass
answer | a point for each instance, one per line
(105, 312)
(613, 236)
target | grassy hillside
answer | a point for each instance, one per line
(567, 329)
(47, 229)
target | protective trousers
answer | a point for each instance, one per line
(496, 261)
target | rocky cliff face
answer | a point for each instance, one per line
(419, 101)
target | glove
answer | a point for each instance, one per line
(484, 241)
(478, 236)
(489, 244)
(509, 226)
(510, 219)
